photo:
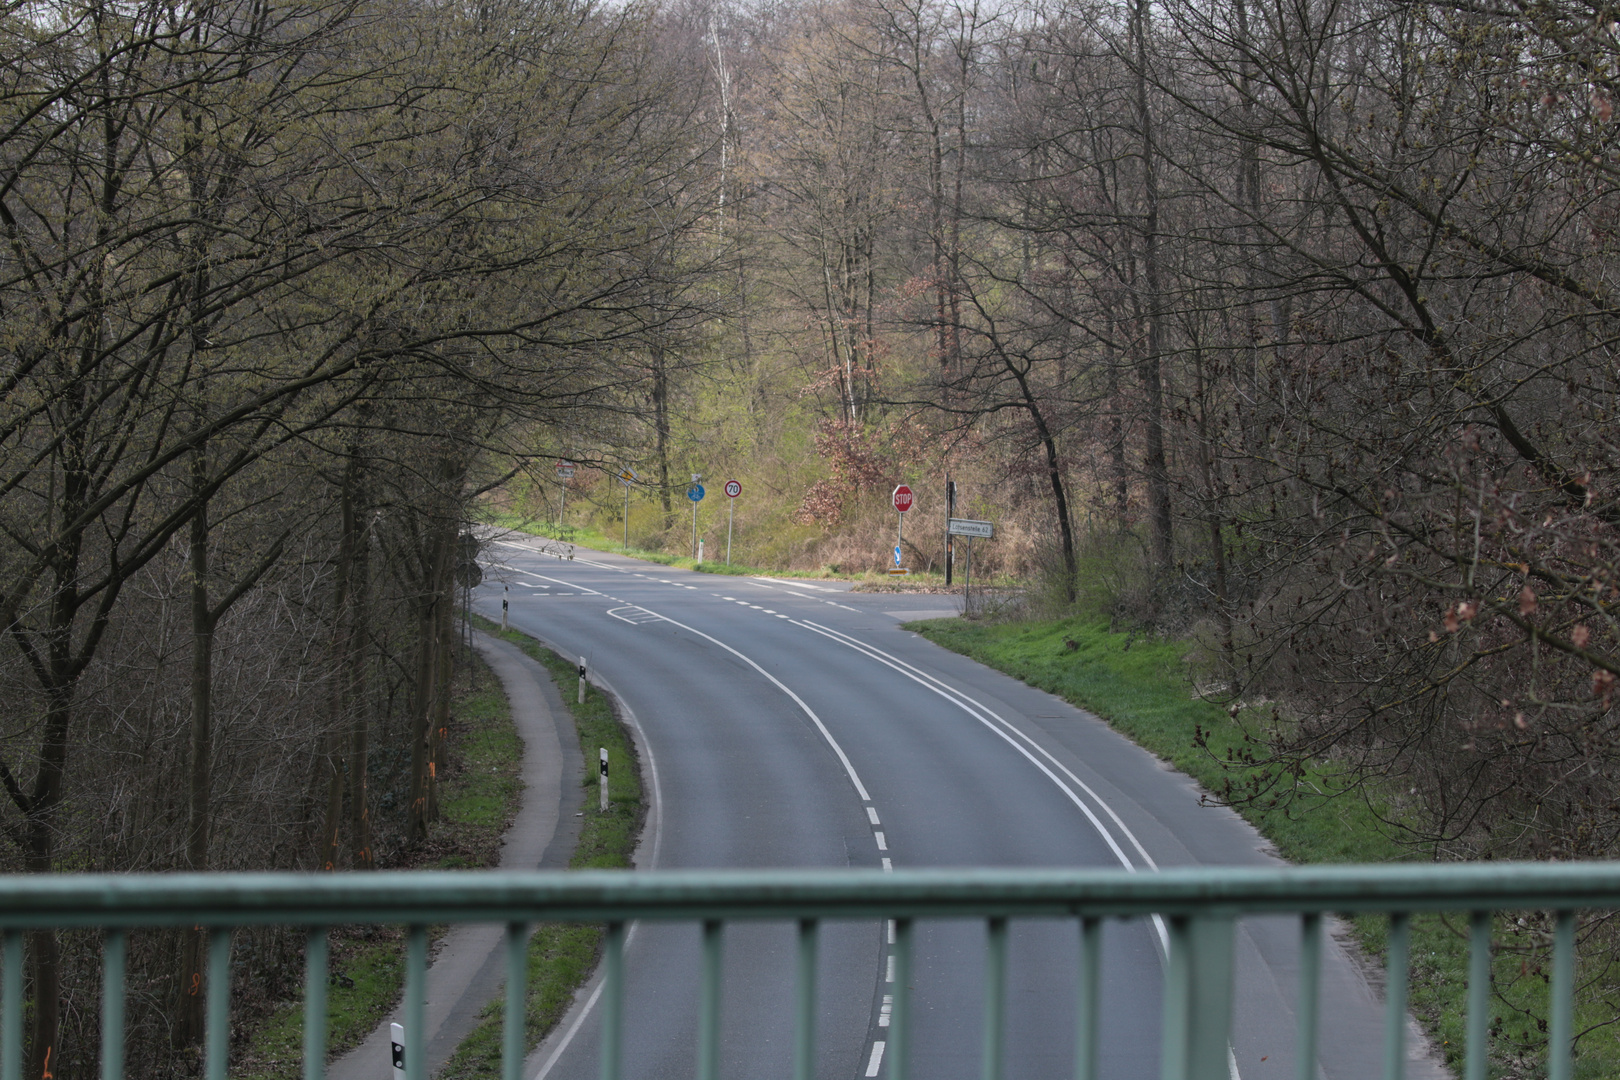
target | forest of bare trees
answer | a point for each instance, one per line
(278, 281)
(1281, 327)
(1284, 327)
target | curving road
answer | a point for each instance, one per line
(795, 724)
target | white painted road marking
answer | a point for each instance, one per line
(876, 1062)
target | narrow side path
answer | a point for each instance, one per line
(466, 970)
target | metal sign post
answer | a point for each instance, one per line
(628, 476)
(733, 489)
(695, 493)
(902, 500)
(565, 473)
(969, 528)
(950, 538)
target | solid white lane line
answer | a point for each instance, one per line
(797, 584)
(843, 758)
(1001, 727)
(559, 581)
(876, 1062)
(963, 700)
(657, 827)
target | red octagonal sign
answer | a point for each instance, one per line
(902, 498)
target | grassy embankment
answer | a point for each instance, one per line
(1141, 687)
(562, 955)
(479, 796)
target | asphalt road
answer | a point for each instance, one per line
(796, 724)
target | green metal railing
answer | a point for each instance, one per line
(1200, 907)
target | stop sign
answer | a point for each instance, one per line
(902, 498)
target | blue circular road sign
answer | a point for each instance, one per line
(695, 493)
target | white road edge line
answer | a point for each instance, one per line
(971, 706)
(657, 847)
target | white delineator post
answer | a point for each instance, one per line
(505, 591)
(602, 782)
(582, 680)
(396, 1035)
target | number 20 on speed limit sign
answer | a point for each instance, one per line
(733, 489)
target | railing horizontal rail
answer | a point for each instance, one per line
(229, 899)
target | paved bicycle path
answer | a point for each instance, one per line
(467, 969)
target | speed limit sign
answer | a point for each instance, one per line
(733, 489)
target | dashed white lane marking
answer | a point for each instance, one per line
(885, 1010)
(876, 1061)
(767, 611)
(871, 813)
(883, 845)
(891, 931)
(846, 607)
(984, 714)
(888, 864)
(890, 976)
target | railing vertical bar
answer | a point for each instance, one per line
(514, 1039)
(1310, 992)
(416, 1003)
(1561, 1024)
(804, 1038)
(900, 1002)
(613, 1002)
(1177, 1008)
(217, 1049)
(1087, 999)
(114, 949)
(315, 1004)
(11, 1007)
(1479, 995)
(708, 1062)
(1395, 981)
(995, 997)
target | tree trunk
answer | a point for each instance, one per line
(359, 539)
(189, 1023)
(1148, 368)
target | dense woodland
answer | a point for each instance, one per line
(1287, 327)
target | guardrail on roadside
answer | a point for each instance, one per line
(1200, 907)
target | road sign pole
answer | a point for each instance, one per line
(950, 541)
(731, 519)
(627, 517)
(694, 530)
(562, 511)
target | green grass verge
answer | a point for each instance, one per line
(478, 795)
(561, 955)
(1140, 686)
